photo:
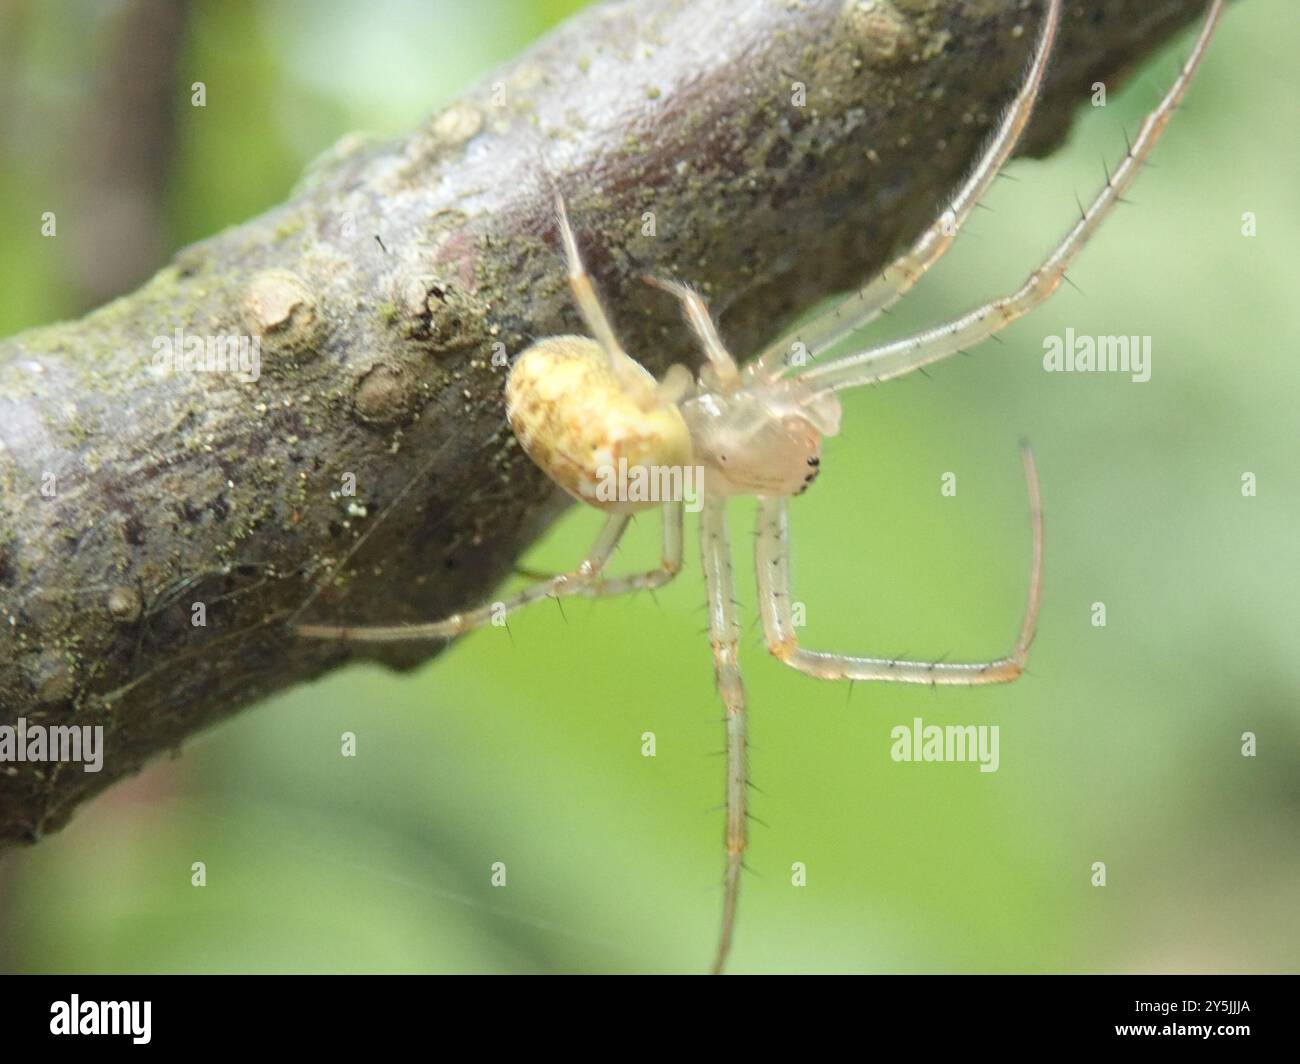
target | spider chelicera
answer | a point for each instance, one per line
(581, 406)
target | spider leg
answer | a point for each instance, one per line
(861, 307)
(676, 385)
(583, 581)
(913, 352)
(697, 315)
(670, 564)
(584, 295)
(772, 560)
(724, 635)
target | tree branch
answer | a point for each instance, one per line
(129, 493)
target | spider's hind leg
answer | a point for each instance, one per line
(583, 580)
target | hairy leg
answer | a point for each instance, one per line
(724, 634)
(772, 560)
(625, 368)
(913, 352)
(583, 580)
(697, 315)
(887, 288)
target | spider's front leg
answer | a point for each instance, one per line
(584, 581)
(896, 280)
(914, 352)
(772, 560)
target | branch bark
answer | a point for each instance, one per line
(378, 291)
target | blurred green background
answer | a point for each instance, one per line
(1123, 745)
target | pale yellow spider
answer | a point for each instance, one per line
(579, 405)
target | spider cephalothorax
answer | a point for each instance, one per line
(582, 406)
(760, 440)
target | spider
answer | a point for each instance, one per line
(580, 405)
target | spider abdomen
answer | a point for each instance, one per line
(575, 418)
